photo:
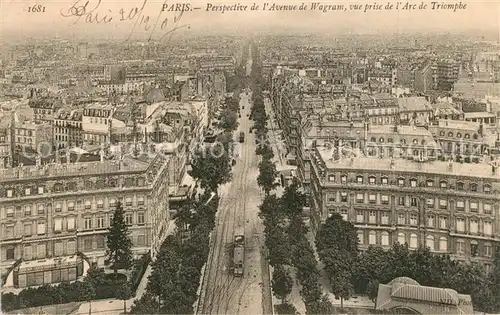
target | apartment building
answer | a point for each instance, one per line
(54, 218)
(459, 138)
(96, 123)
(68, 128)
(452, 208)
(34, 136)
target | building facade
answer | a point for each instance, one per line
(56, 217)
(68, 129)
(452, 208)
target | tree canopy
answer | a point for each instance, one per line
(211, 168)
(119, 252)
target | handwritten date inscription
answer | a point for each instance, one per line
(88, 11)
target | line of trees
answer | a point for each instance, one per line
(175, 276)
(351, 271)
(289, 248)
(173, 284)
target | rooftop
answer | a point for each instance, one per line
(414, 104)
(481, 170)
(478, 115)
(458, 124)
(128, 164)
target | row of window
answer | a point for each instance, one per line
(413, 182)
(475, 136)
(374, 198)
(72, 186)
(64, 248)
(471, 225)
(430, 242)
(69, 225)
(41, 209)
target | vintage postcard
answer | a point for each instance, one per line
(250, 157)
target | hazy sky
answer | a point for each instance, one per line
(16, 21)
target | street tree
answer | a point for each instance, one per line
(338, 265)
(88, 293)
(321, 306)
(228, 120)
(119, 252)
(282, 282)
(293, 201)
(124, 293)
(277, 243)
(267, 176)
(147, 304)
(211, 168)
(372, 289)
(494, 278)
(286, 309)
(336, 232)
(270, 210)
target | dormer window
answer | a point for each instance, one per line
(343, 179)
(359, 179)
(473, 187)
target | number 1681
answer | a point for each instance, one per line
(36, 8)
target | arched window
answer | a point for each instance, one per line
(441, 133)
(403, 141)
(459, 135)
(381, 140)
(423, 142)
(385, 239)
(467, 136)
(413, 241)
(401, 238)
(443, 244)
(373, 139)
(450, 134)
(429, 242)
(390, 140)
(372, 238)
(415, 141)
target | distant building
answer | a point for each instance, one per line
(68, 128)
(424, 80)
(33, 136)
(446, 74)
(405, 294)
(96, 123)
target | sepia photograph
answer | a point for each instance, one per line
(301, 157)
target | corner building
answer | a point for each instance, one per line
(54, 218)
(451, 208)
